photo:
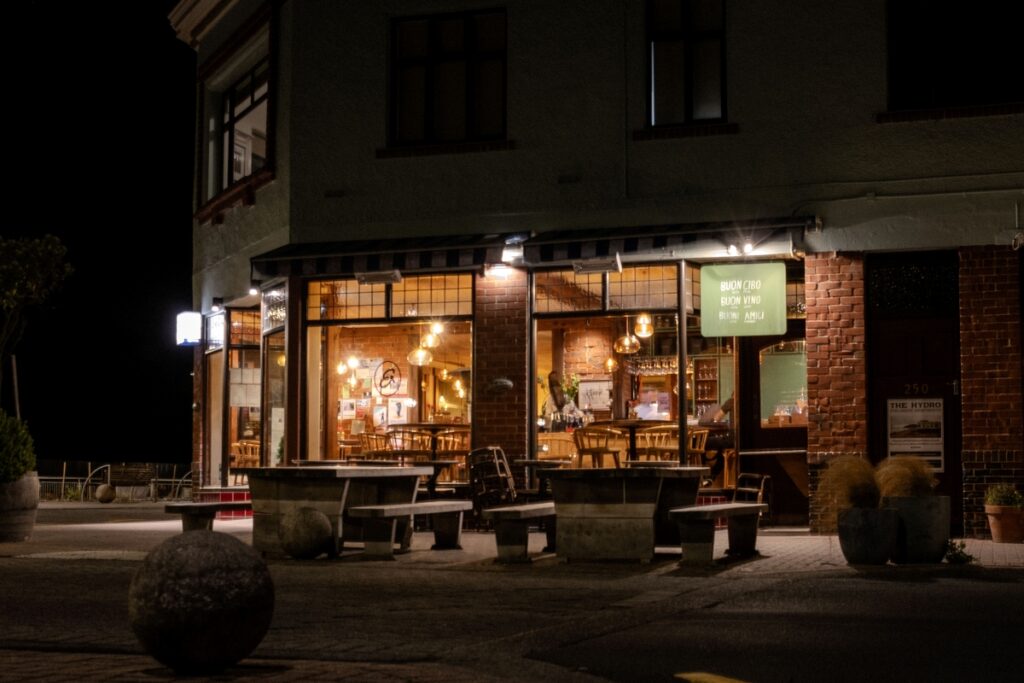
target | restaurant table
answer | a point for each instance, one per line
(532, 468)
(276, 491)
(619, 514)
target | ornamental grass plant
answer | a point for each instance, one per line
(906, 476)
(847, 482)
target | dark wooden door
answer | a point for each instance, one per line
(913, 354)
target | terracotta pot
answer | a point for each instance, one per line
(867, 535)
(19, 501)
(1006, 522)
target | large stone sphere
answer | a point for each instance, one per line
(305, 533)
(105, 493)
(201, 602)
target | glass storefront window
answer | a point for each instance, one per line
(638, 287)
(433, 295)
(274, 373)
(243, 391)
(362, 381)
(783, 382)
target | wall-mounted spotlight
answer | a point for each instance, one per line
(217, 304)
(603, 264)
(379, 276)
(254, 287)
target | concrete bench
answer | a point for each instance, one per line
(697, 529)
(512, 524)
(379, 528)
(200, 515)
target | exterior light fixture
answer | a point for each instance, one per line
(732, 250)
(189, 328)
(604, 264)
(512, 252)
(644, 328)
(500, 271)
(379, 276)
(748, 248)
(420, 356)
(217, 305)
(254, 287)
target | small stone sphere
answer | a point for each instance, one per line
(305, 533)
(201, 602)
(105, 493)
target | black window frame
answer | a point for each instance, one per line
(690, 38)
(435, 57)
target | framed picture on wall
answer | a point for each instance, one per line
(398, 412)
(595, 394)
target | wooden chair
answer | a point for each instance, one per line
(595, 443)
(374, 446)
(453, 444)
(698, 439)
(660, 442)
(559, 445)
(755, 488)
(410, 444)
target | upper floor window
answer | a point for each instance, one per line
(686, 45)
(448, 78)
(235, 114)
(945, 53)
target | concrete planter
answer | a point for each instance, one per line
(923, 528)
(19, 501)
(867, 535)
(1006, 522)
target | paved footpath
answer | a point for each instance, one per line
(429, 616)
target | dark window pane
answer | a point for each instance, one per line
(707, 81)
(410, 104)
(668, 61)
(489, 103)
(666, 15)
(706, 15)
(451, 33)
(413, 39)
(450, 102)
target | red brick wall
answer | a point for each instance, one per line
(836, 371)
(990, 356)
(501, 328)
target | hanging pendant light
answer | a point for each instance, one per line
(342, 368)
(430, 340)
(644, 328)
(420, 356)
(610, 364)
(627, 343)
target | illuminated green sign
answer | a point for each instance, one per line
(743, 300)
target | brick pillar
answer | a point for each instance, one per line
(836, 373)
(501, 333)
(990, 370)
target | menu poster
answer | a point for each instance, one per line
(743, 299)
(915, 429)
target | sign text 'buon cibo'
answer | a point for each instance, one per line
(743, 299)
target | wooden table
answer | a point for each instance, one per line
(276, 491)
(619, 514)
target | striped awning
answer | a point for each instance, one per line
(705, 241)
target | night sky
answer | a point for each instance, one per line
(99, 144)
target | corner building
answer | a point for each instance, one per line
(453, 213)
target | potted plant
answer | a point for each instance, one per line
(907, 484)
(1004, 507)
(19, 483)
(867, 533)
